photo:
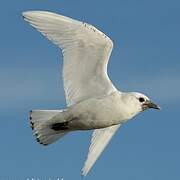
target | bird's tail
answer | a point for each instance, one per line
(45, 129)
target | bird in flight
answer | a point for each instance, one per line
(93, 102)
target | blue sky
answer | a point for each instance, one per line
(145, 58)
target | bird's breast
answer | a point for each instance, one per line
(100, 112)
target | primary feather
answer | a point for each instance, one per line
(86, 52)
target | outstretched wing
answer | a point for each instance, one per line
(86, 52)
(100, 139)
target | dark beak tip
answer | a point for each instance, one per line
(158, 107)
(154, 106)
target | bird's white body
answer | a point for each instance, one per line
(96, 113)
(92, 100)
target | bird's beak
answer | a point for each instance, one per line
(149, 104)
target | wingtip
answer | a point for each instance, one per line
(26, 13)
(83, 174)
(84, 171)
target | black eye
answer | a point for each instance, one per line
(141, 99)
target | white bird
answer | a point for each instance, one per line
(93, 103)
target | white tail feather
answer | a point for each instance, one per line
(41, 126)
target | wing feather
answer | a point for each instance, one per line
(99, 141)
(86, 52)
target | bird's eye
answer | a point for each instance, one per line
(141, 99)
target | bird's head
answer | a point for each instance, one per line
(137, 102)
(142, 102)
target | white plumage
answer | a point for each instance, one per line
(100, 139)
(86, 52)
(93, 101)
